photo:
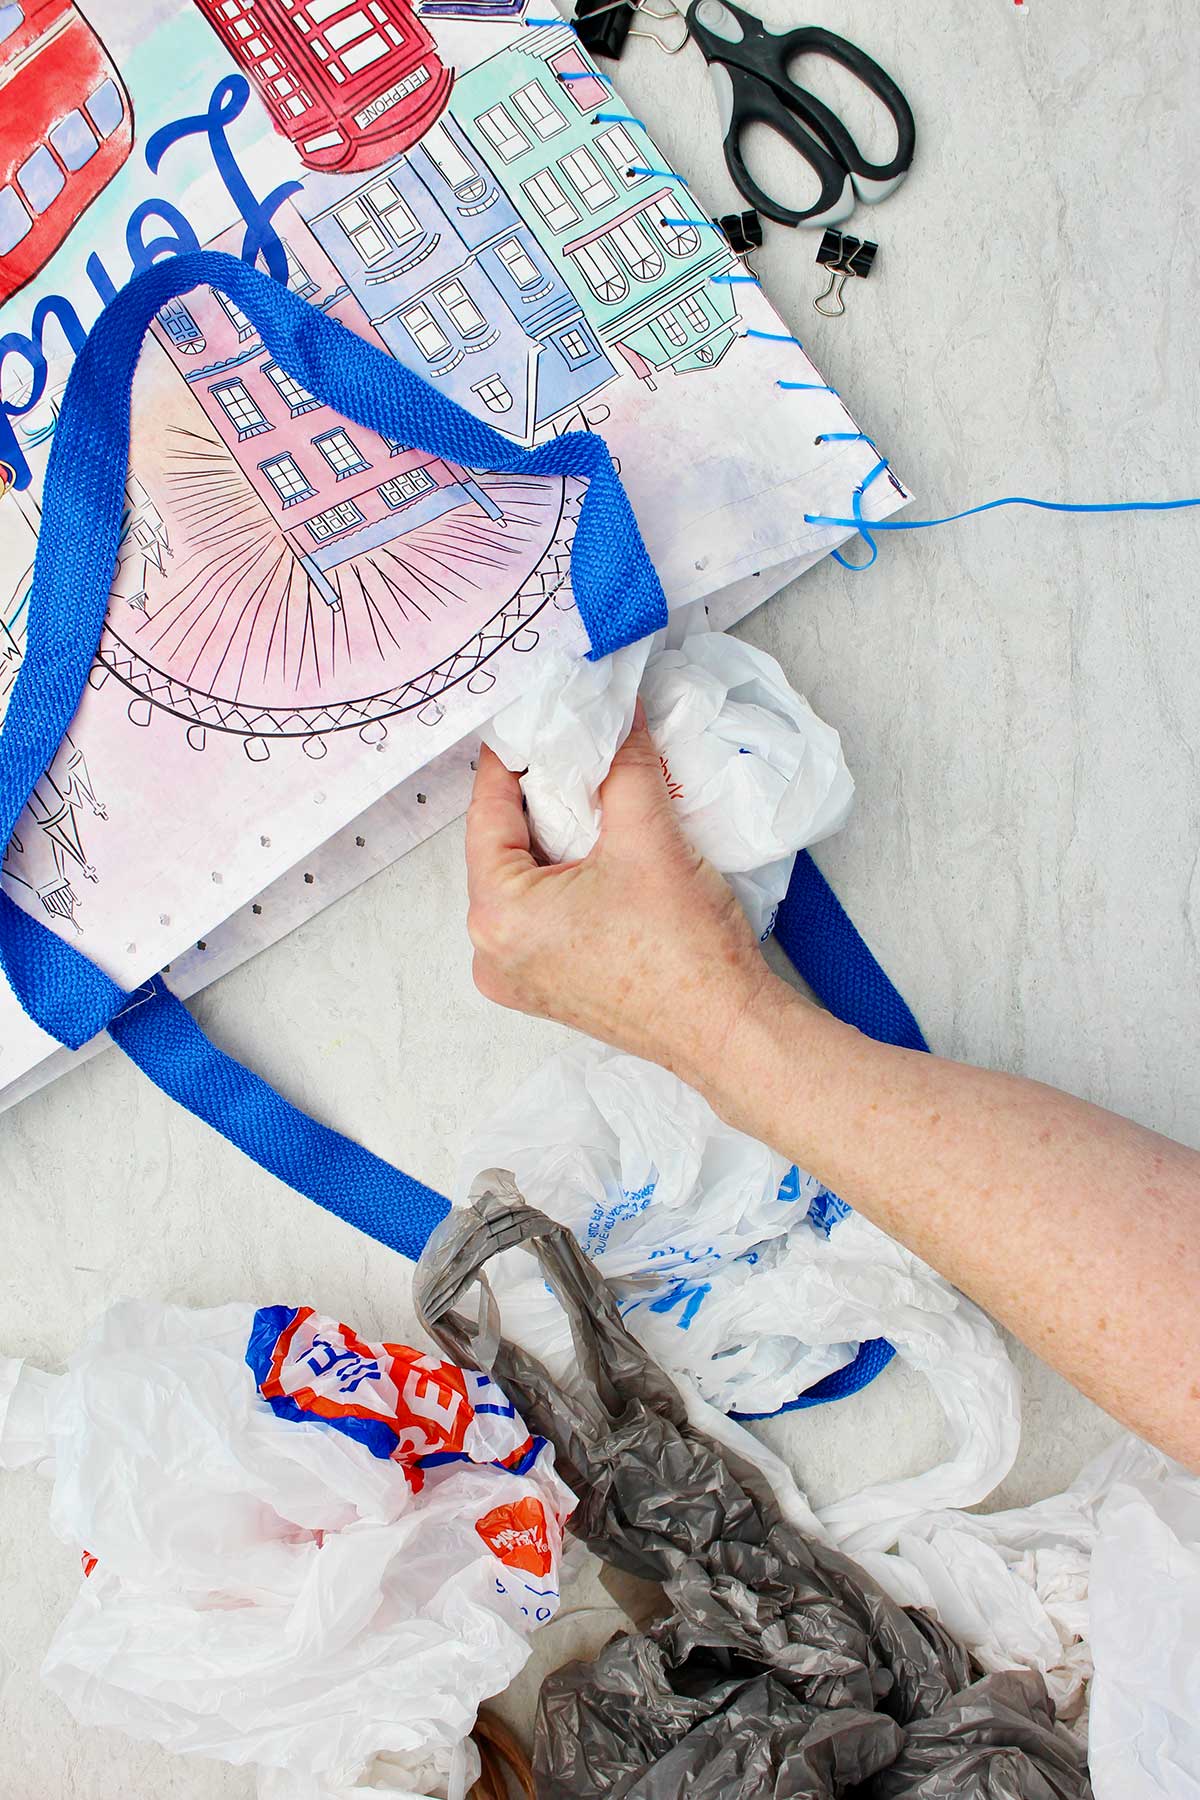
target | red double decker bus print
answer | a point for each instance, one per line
(67, 128)
(351, 83)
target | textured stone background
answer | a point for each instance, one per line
(1018, 697)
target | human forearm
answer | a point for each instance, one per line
(1078, 1230)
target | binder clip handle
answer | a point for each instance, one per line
(742, 231)
(602, 26)
(844, 256)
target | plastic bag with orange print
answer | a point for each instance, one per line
(303, 1551)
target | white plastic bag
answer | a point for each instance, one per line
(324, 1577)
(725, 1266)
(1105, 1575)
(754, 773)
(1145, 1632)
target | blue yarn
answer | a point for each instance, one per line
(1061, 506)
(619, 598)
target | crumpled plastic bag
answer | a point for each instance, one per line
(754, 773)
(1105, 1574)
(724, 1265)
(1145, 1626)
(302, 1551)
(780, 1668)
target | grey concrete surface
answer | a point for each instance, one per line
(1019, 702)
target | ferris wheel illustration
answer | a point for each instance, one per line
(294, 574)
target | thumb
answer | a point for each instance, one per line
(634, 802)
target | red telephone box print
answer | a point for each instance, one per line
(351, 83)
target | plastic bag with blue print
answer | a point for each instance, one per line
(737, 1270)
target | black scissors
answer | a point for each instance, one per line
(749, 69)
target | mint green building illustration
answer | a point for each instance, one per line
(646, 286)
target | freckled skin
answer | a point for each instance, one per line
(1018, 1193)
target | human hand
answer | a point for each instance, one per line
(641, 944)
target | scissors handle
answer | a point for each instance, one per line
(749, 69)
(744, 100)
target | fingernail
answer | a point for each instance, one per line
(639, 715)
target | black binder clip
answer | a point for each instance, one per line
(743, 231)
(843, 256)
(603, 27)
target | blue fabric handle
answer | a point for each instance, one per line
(828, 953)
(616, 589)
(619, 598)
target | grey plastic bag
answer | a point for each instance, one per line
(781, 1668)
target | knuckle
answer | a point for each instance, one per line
(478, 923)
(488, 928)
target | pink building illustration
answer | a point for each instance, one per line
(292, 575)
(335, 489)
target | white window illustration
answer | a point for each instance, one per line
(15, 221)
(377, 220)
(341, 452)
(287, 478)
(364, 53)
(462, 309)
(517, 261)
(400, 489)
(299, 279)
(500, 132)
(537, 109)
(595, 189)
(242, 411)
(680, 240)
(350, 36)
(602, 272)
(672, 330)
(693, 311)
(73, 141)
(40, 179)
(389, 203)
(362, 230)
(637, 250)
(106, 108)
(338, 518)
(575, 345)
(233, 311)
(493, 393)
(298, 398)
(550, 201)
(452, 165)
(620, 152)
(180, 327)
(425, 331)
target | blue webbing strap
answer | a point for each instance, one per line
(827, 951)
(619, 599)
(616, 589)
